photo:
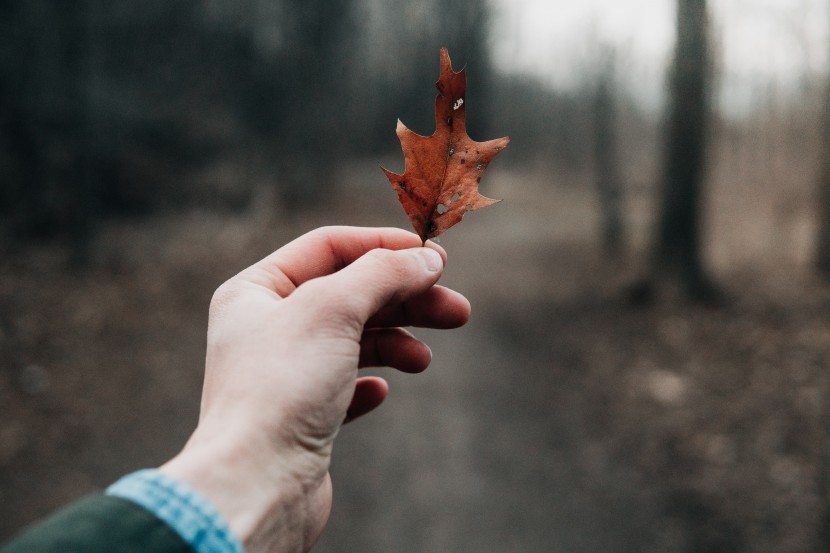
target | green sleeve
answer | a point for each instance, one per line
(98, 524)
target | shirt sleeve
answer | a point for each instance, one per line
(99, 523)
(181, 507)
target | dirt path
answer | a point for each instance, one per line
(559, 419)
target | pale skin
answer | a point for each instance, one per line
(286, 338)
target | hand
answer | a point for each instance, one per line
(285, 340)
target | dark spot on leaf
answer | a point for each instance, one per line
(402, 184)
(449, 121)
(452, 151)
(431, 227)
(463, 161)
(441, 209)
(424, 204)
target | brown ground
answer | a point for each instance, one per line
(560, 419)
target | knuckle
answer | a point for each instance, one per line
(397, 265)
(395, 272)
(324, 233)
(326, 305)
(224, 295)
(320, 232)
(377, 255)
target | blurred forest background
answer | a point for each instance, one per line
(647, 365)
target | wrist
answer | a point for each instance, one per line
(272, 502)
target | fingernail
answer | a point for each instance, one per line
(432, 261)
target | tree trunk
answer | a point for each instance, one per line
(823, 238)
(823, 242)
(677, 252)
(606, 162)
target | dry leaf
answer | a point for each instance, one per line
(442, 171)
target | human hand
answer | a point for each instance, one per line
(285, 340)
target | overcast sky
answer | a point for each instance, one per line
(757, 40)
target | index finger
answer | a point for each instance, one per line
(324, 251)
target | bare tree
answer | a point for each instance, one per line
(823, 238)
(606, 159)
(677, 250)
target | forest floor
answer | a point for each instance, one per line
(562, 418)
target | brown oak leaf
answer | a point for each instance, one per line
(441, 172)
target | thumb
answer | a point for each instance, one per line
(375, 279)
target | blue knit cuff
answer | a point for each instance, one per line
(192, 516)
